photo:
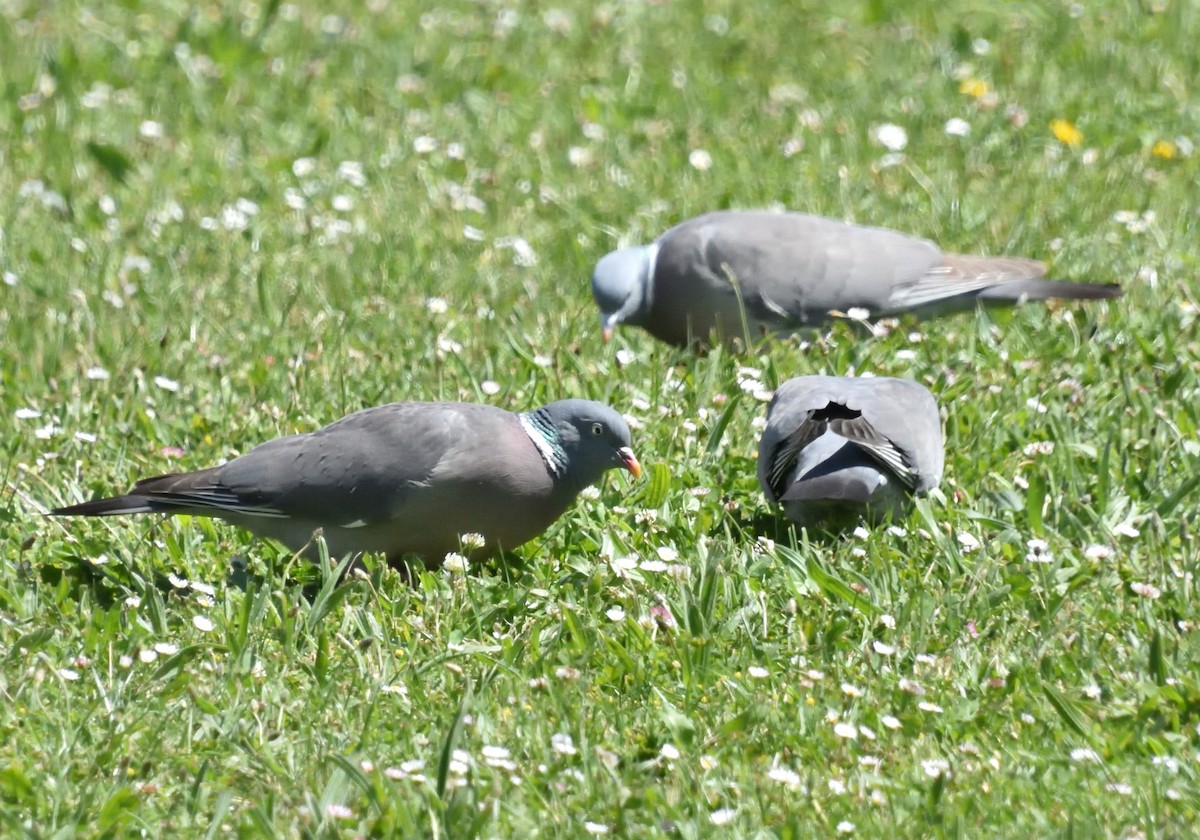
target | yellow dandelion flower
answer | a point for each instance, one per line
(1164, 149)
(977, 88)
(1066, 132)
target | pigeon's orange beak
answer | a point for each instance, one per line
(608, 323)
(630, 461)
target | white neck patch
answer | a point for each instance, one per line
(543, 447)
(651, 263)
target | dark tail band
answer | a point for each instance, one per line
(1051, 290)
(106, 507)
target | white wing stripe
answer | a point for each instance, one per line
(218, 500)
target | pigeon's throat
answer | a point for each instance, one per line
(541, 431)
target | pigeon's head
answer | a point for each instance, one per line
(621, 286)
(593, 437)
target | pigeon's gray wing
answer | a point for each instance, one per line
(361, 468)
(357, 473)
(907, 414)
(828, 469)
(789, 269)
(849, 429)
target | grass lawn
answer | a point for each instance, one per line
(225, 222)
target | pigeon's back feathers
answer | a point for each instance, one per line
(849, 443)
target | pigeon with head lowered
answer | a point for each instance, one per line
(744, 274)
(409, 477)
(839, 447)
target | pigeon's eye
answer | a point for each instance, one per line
(597, 429)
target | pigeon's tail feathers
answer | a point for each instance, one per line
(114, 506)
(1050, 290)
(961, 278)
(1010, 279)
(170, 493)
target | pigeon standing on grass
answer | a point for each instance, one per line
(744, 274)
(410, 477)
(847, 445)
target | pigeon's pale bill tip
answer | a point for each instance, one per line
(630, 461)
(607, 325)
